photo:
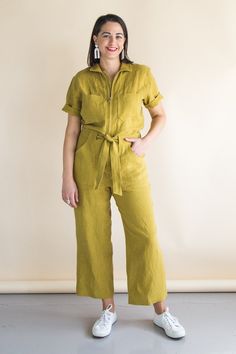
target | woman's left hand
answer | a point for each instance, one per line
(138, 146)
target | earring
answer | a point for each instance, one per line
(122, 54)
(96, 52)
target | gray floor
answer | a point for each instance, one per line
(61, 323)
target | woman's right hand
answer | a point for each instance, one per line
(70, 192)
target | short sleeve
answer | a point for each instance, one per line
(152, 95)
(73, 102)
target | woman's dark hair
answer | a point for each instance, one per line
(96, 29)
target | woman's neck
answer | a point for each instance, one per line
(111, 67)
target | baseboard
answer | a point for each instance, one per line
(120, 286)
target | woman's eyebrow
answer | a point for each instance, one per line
(110, 33)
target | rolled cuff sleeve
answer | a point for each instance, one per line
(73, 104)
(152, 95)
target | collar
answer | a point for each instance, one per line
(123, 67)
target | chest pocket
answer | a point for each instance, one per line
(93, 109)
(129, 106)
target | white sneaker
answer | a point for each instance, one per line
(170, 324)
(102, 327)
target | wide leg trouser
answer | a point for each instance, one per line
(146, 279)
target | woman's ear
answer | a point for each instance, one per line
(94, 38)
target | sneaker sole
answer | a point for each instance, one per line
(175, 337)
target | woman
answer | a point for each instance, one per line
(103, 156)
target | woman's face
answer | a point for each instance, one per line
(110, 40)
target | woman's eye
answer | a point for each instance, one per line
(106, 35)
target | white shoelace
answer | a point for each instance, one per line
(105, 318)
(171, 320)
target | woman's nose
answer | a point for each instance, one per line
(112, 40)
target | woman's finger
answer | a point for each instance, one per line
(72, 201)
(77, 195)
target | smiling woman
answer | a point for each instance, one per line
(106, 158)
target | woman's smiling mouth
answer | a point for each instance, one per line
(111, 49)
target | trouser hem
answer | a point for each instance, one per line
(97, 296)
(146, 302)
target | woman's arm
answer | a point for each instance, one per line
(71, 136)
(158, 116)
(69, 187)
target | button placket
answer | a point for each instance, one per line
(110, 97)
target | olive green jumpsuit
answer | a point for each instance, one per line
(105, 166)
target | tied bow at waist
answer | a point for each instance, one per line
(110, 144)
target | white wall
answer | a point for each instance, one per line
(190, 46)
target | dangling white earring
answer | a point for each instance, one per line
(122, 54)
(96, 52)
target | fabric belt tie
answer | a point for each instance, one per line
(110, 146)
